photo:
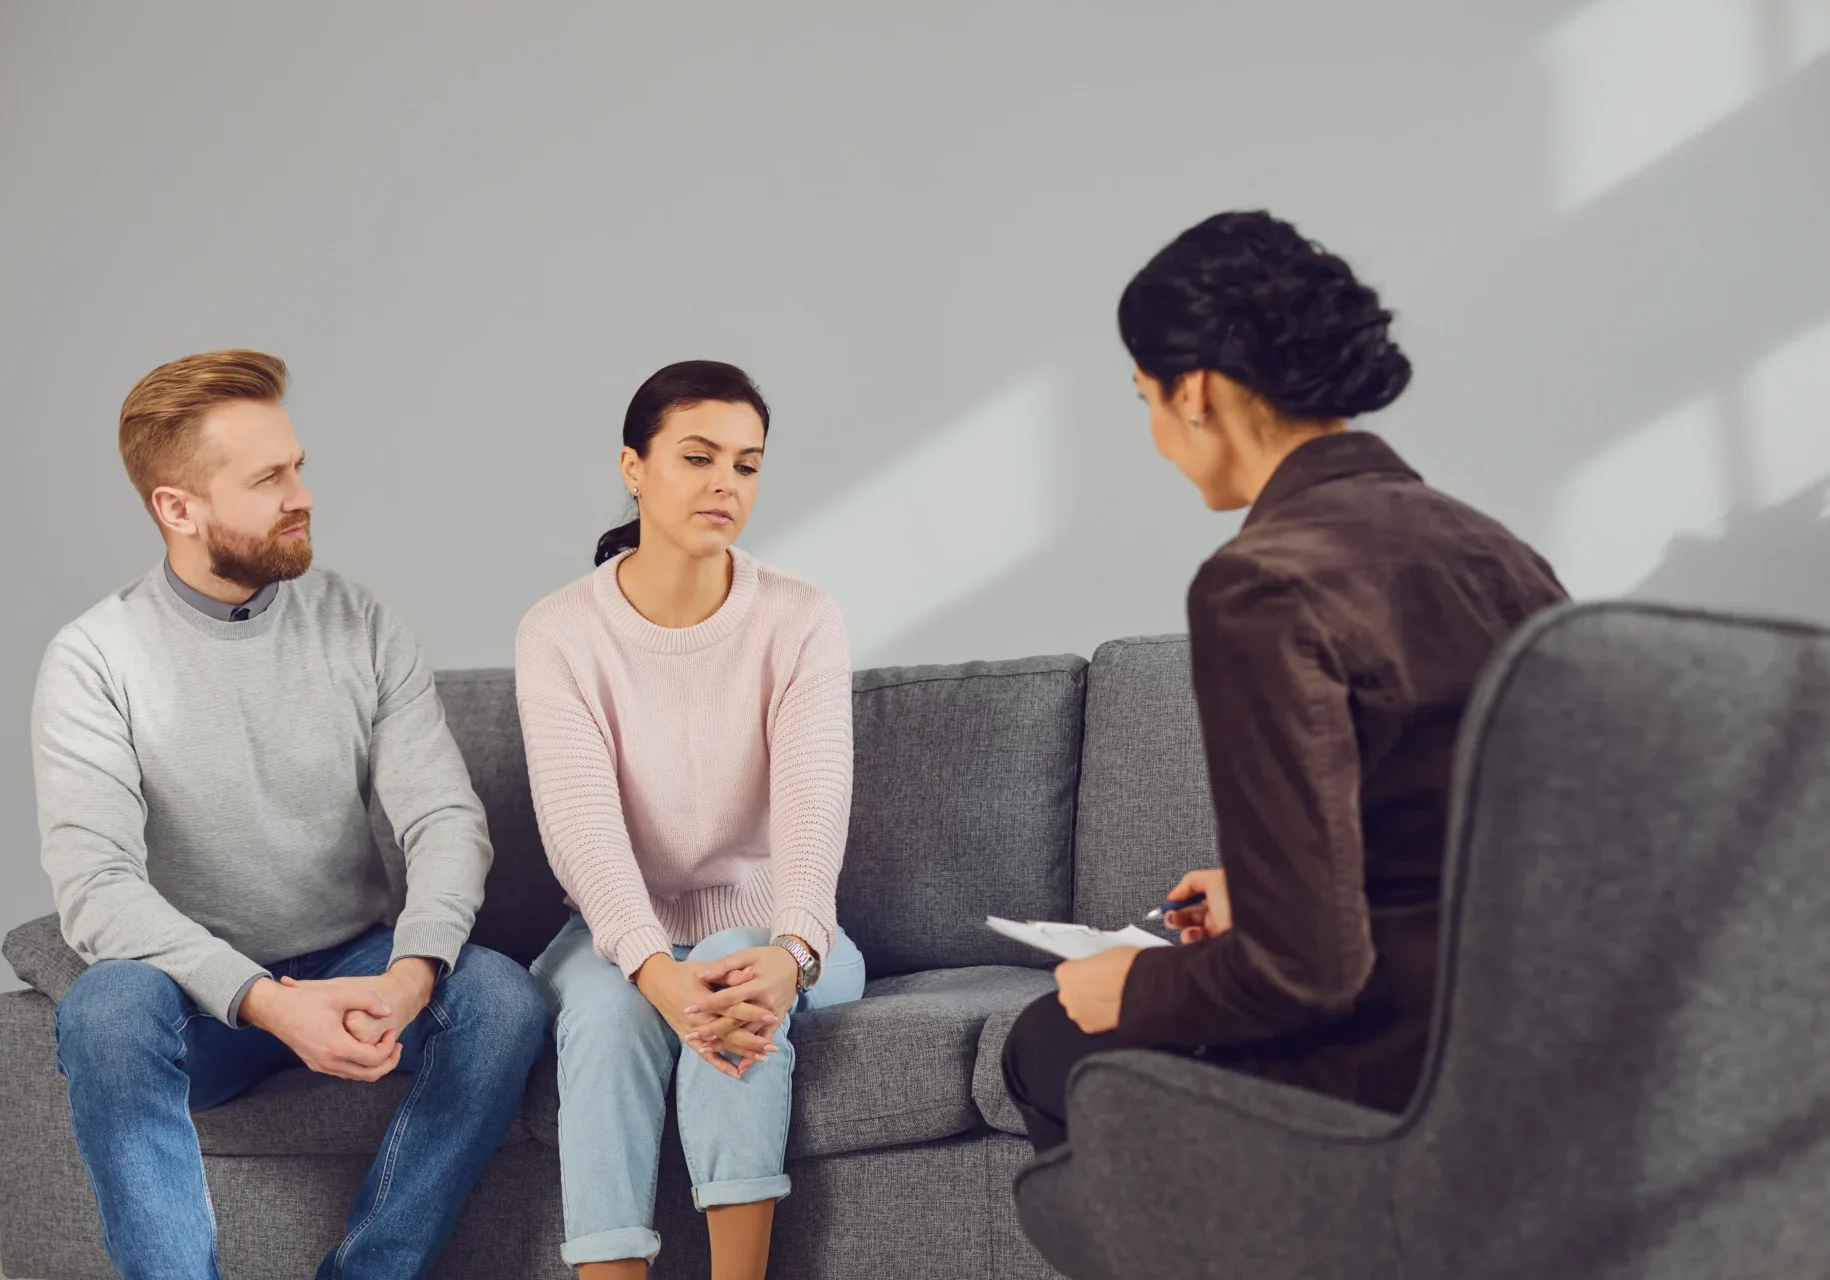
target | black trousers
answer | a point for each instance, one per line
(1043, 1046)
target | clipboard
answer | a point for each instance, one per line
(1073, 941)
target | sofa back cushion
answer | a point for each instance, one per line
(1145, 814)
(963, 807)
(523, 905)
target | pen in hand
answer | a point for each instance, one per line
(1174, 904)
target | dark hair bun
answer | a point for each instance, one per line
(1245, 295)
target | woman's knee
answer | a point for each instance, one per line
(603, 1018)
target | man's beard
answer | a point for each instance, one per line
(254, 560)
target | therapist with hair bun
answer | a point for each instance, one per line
(1334, 644)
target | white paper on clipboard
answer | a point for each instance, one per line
(1073, 941)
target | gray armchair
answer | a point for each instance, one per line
(1631, 1067)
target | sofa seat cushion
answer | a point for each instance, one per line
(893, 1068)
(301, 1113)
(988, 1091)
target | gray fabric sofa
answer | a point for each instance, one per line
(1631, 1068)
(1048, 788)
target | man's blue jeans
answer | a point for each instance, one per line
(139, 1056)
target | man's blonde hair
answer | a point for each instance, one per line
(162, 417)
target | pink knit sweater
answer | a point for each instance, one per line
(690, 779)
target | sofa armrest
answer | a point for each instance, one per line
(1190, 1169)
(42, 959)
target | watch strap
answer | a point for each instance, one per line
(804, 959)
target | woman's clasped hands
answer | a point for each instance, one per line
(726, 1010)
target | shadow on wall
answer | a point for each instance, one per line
(1775, 561)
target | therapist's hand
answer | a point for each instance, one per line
(1207, 919)
(1091, 989)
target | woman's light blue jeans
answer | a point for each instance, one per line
(615, 1056)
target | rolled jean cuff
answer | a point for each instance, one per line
(745, 1191)
(612, 1246)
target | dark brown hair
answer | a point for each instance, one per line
(1248, 296)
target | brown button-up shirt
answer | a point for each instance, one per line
(1335, 643)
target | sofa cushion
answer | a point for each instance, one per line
(1146, 813)
(963, 807)
(988, 1092)
(301, 1113)
(897, 1066)
(41, 958)
(892, 1068)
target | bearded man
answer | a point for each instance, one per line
(205, 743)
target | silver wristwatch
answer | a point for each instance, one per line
(804, 959)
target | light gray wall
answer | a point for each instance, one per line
(472, 229)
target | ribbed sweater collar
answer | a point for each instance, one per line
(250, 629)
(639, 631)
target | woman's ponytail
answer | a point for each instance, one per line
(625, 537)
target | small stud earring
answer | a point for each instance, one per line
(1195, 422)
(636, 494)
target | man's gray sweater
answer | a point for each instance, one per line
(203, 785)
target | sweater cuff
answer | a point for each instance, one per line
(1154, 1008)
(219, 984)
(805, 926)
(634, 947)
(432, 940)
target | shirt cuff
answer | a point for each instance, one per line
(634, 947)
(433, 940)
(234, 1018)
(806, 926)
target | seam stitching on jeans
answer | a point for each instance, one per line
(404, 1117)
(781, 1159)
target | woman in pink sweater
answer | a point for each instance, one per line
(687, 713)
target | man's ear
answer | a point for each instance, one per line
(172, 508)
